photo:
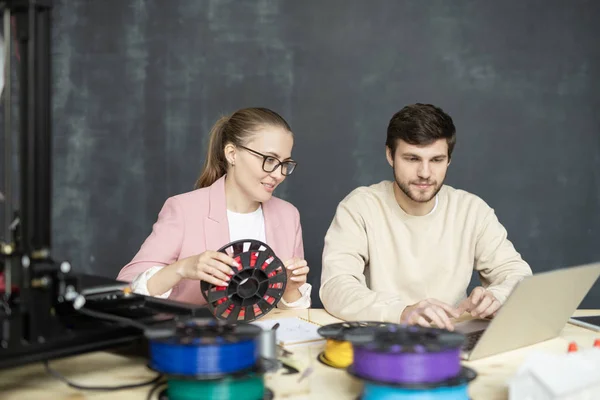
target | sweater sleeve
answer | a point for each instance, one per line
(344, 290)
(499, 265)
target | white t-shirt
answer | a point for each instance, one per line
(247, 226)
(241, 226)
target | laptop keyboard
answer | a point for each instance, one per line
(472, 339)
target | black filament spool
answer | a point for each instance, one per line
(256, 286)
(355, 329)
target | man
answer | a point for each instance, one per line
(404, 251)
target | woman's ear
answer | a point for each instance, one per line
(229, 151)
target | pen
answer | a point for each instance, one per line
(306, 373)
(275, 326)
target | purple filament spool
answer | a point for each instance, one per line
(411, 368)
(408, 355)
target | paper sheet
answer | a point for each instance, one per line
(292, 330)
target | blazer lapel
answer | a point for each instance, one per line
(272, 220)
(216, 226)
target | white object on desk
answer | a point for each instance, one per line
(572, 376)
(293, 330)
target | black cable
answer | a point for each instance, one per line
(149, 331)
(60, 377)
(111, 317)
(154, 389)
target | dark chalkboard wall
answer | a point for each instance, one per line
(137, 85)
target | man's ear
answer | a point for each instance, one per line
(388, 156)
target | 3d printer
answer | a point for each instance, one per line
(46, 310)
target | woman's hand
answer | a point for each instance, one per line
(297, 271)
(210, 266)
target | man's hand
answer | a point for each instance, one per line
(481, 303)
(430, 311)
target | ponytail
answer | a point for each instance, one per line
(214, 165)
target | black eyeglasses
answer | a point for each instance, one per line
(271, 163)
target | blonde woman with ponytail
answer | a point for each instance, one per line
(249, 155)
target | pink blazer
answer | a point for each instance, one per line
(190, 223)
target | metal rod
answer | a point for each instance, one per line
(42, 200)
(33, 37)
(8, 148)
(27, 210)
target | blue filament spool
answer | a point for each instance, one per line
(207, 349)
(453, 389)
(372, 392)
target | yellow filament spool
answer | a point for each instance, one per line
(337, 354)
(338, 351)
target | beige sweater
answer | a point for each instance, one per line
(377, 259)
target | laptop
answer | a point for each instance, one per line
(537, 310)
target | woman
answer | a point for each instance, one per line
(249, 155)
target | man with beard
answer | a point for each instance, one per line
(404, 251)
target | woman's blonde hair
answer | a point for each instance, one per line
(235, 129)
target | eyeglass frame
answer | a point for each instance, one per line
(266, 156)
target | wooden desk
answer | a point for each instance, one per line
(102, 368)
